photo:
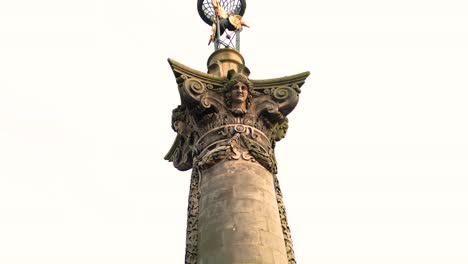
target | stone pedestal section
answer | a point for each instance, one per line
(227, 126)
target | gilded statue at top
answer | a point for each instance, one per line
(226, 21)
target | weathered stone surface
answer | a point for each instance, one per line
(227, 126)
(243, 214)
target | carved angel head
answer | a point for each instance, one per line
(238, 94)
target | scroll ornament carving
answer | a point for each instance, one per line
(278, 102)
(196, 91)
(194, 87)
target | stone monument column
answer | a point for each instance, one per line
(227, 126)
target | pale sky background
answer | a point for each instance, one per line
(374, 168)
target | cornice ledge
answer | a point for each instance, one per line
(180, 69)
(298, 79)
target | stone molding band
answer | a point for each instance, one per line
(233, 142)
(227, 131)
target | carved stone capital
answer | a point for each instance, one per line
(225, 115)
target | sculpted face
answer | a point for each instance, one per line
(239, 92)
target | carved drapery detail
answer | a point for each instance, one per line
(229, 118)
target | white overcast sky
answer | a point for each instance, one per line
(374, 168)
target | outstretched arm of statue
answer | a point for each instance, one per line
(237, 22)
(213, 33)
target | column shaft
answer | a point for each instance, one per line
(239, 220)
